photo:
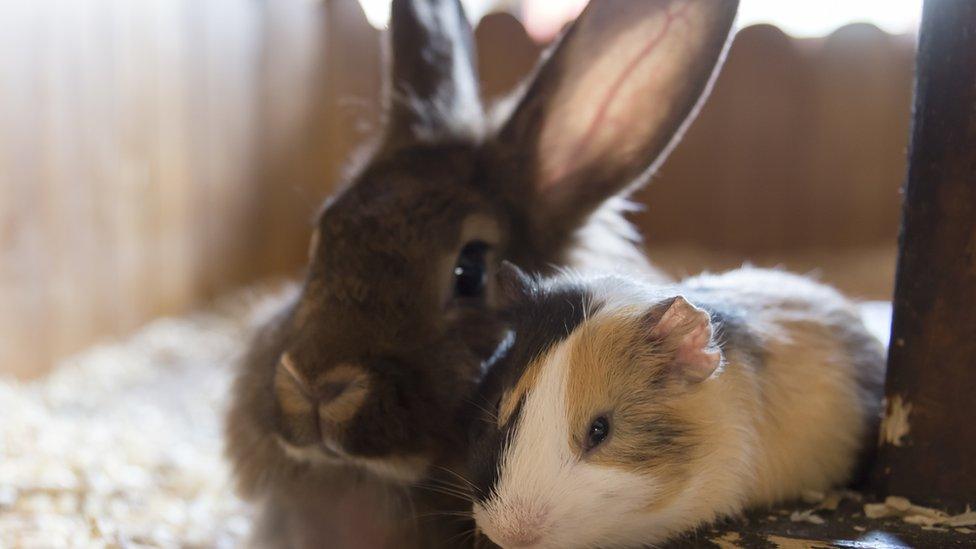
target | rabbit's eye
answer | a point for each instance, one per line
(470, 273)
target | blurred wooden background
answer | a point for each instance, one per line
(155, 154)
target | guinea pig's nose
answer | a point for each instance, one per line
(512, 525)
(523, 539)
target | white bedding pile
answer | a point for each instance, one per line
(121, 446)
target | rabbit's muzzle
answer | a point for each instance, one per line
(311, 415)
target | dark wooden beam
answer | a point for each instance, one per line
(928, 450)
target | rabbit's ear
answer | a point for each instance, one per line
(605, 108)
(433, 90)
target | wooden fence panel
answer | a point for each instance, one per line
(316, 116)
(506, 54)
(801, 145)
(738, 158)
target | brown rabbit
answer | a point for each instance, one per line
(345, 422)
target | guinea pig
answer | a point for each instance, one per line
(625, 413)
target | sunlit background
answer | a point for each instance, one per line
(543, 18)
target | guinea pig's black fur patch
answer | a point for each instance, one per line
(546, 313)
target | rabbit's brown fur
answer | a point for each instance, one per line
(379, 297)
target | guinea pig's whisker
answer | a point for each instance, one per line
(410, 504)
(449, 485)
(493, 416)
(460, 493)
(457, 514)
(454, 494)
(459, 476)
(447, 491)
(462, 536)
(453, 517)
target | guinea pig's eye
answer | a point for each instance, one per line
(470, 272)
(598, 432)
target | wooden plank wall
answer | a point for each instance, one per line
(125, 133)
(154, 154)
(801, 145)
(99, 159)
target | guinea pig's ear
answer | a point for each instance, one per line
(607, 105)
(513, 284)
(685, 334)
(433, 88)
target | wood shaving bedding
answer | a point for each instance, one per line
(122, 445)
(896, 506)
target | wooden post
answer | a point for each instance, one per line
(928, 443)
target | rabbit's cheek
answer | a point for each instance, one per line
(313, 244)
(480, 331)
(405, 469)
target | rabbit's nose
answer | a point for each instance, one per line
(298, 420)
(317, 413)
(341, 394)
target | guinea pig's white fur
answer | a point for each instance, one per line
(788, 409)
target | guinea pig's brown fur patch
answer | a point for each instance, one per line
(614, 370)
